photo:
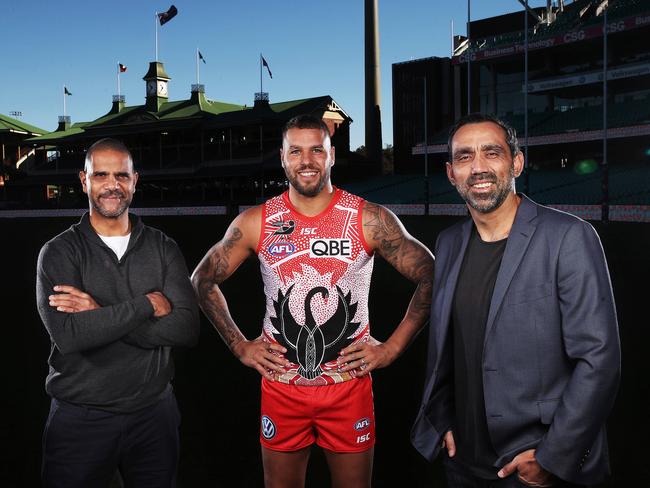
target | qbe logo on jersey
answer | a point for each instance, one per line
(330, 248)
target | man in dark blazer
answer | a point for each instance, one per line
(524, 355)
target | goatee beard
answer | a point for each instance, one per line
(490, 201)
(125, 203)
(304, 191)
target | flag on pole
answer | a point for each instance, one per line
(201, 57)
(264, 63)
(66, 91)
(165, 17)
(121, 68)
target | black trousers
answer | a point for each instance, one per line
(460, 477)
(84, 447)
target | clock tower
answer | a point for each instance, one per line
(157, 81)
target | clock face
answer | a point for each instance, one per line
(151, 87)
(162, 88)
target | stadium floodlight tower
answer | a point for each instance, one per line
(373, 102)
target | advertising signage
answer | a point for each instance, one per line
(590, 32)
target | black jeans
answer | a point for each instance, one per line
(459, 477)
(83, 447)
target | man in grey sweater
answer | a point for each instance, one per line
(115, 297)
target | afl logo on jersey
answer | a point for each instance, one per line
(330, 248)
(281, 249)
(362, 424)
(268, 427)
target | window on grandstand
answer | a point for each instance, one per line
(502, 93)
(564, 104)
(640, 95)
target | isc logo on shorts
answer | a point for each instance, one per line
(268, 427)
(330, 248)
(363, 438)
(362, 424)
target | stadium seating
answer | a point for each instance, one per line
(625, 8)
(629, 184)
(565, 21)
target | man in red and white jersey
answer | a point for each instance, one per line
(315, 244)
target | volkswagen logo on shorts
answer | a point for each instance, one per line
(362, 424)
(268, 427)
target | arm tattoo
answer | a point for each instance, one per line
(219, 258)
(384, 230)
(419, 268)
(211, 272)
(405, 254)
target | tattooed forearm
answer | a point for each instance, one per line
(417, 265)
(421, 302)
(414, 319)
(215, 267)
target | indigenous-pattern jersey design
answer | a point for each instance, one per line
(316, 273)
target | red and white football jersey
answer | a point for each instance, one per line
(316, 273)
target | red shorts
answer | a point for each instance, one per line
(338, 417)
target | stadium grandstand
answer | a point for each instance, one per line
(13, 148)
(549, 81)
(188, 152)
(569, 74)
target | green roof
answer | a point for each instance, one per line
(8, 124)
(74, 129)
(283, 106)
(214, 113)
(112, 116)
(188, 108)
(180, 109)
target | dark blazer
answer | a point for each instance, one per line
(551, 358)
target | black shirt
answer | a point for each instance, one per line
(470, 310)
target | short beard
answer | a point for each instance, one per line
(493, 200)
(117, 212)
(306, 192)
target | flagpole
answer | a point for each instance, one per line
(526, 46)
(118, 79)
(64, 112)
(261, 89)
(156, 29)
(469, 60)
(604, 216)
(452, 38)
(197, 66)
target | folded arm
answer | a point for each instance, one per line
(96, 325)
(180, 326)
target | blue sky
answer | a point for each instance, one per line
(313, 48)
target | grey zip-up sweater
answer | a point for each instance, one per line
(118, 357)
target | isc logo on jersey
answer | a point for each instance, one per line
(281, 249)
(330, 248)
